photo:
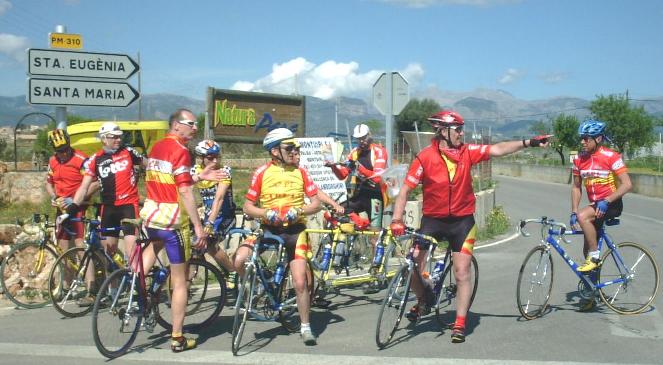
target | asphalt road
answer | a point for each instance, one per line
(496, 332)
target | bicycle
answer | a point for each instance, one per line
(26, 268)
(265, 294)
(126, 300)
(622, 269)
(441, 283)
(73, 267)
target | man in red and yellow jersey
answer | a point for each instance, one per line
(169, 190)
(276, 196)
(444, 168)
(66, 169)
(606, 181)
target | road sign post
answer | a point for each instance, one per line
(390, 95)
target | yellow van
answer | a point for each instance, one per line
(140, 135)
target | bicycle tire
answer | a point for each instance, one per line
(207, 297)
(72, 266)
(396, 298)
(535, 281)
(245, 301)
(110, 309)
(627, 297)
(21, 283)
(287, 297)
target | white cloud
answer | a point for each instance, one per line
(511, 76)
(13, 45)
(555, 77)
(326, 80)
(429, 3)
(4, 6)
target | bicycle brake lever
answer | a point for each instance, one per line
(521, 228)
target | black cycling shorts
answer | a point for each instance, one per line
(111, 215)
(295, 240)
(614, 210)
(363, 202)
(459, 231)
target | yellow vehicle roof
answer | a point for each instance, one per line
(140, 135)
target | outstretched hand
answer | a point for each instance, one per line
(211, 174)
(540, 141)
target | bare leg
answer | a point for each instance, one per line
(179, 295)
(298, 268)
(462, 274)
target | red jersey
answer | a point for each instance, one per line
(67, 177)
(168, 167)
(446, 196)
(371, 163)
(598, 171)
(116, 175)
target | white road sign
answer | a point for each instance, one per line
(49, 62)
(400, 93)
(77, 92)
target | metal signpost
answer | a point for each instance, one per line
(390, 95)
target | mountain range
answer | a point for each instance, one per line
(486, 108)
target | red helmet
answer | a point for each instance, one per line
(445, 118)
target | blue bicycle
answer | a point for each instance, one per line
(626, 279)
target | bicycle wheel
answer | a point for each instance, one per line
(393, 306)
(535, 282)
(361, 254)
(69, 278)
(288, 315)
(207, 296)
(635, 266)
(25, 274)
(448, 290)
(117, 313)
(243, 306)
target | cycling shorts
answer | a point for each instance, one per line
(370, 202)
(295, 240)
(112, 215)
(222, 225)
(173, 242)
(72, 230)
(614, 210)
(461, 232)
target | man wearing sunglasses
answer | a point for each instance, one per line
(606, 180)
(444, 168)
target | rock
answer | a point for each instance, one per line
(8, 233)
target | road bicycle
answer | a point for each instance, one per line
(440, 281)
(266, 290)
(126, 303)
(626, 279)
(25, 270)
(80, 271)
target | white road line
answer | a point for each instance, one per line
(263, 358)
(643, 217)
(512, 237)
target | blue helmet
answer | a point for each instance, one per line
(592, 128)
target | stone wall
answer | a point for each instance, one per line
(22, 187)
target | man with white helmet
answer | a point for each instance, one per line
(368, 160)
(276, 196)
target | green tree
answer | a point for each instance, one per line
(416, 111)
(628, 127)
(376, 126)
(539, 127)
(565, 129)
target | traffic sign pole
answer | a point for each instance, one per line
(390, 95)
(61, 111)
(389, 119)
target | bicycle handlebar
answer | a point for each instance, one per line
(546, 223)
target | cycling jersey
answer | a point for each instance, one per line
(67, 177)
(371, 164)
(598, 171)
(168, 167)
(208, 192)
(446, 196)
(280, 187)
(116, 175)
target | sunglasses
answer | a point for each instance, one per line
(457, 128)
(112, 136)
(291, 148)
(190, 123)
(586, 138)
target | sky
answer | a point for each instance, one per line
(532, 49)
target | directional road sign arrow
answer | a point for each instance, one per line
(79, 92)
(50, 62)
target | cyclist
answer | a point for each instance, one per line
(217, 198)
(114, 167)
(65, 174)
(276, 195)
(168, 182)
(606, 180)
(444, 170)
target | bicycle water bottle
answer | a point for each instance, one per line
(340, 252)
(326, 255)
(438, 270)
(159, 276)
(118, 259)
(278, 274)
(379, 252)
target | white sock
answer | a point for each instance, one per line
(305, 327)
(594, 254)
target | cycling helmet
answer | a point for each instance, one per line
(445, 118)
(207, 147)
(592, 128)
(276, 137)
(361, 130)
(58, 139)
(110, 128)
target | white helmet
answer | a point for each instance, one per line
(276, 136)
(207, 147)
(110, 128)
(360, 131)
